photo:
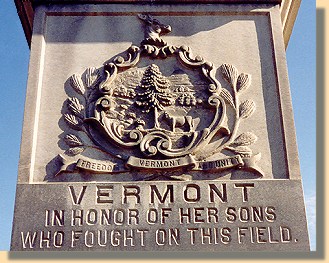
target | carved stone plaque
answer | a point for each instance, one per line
(155, 130)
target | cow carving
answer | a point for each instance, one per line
(179, 122)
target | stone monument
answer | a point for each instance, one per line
(158, 127)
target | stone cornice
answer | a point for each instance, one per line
(26, 14)
(289, 10)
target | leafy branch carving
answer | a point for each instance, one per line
(75, 143)
(246, 109)
(74, 119)
(77, 84)
(93, 77)
(76, 107)
(239, 145)
(76, 116)
(238, 84)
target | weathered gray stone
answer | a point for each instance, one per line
(193, 93)
(206, 216)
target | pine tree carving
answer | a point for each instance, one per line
(157, 93)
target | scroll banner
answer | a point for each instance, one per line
(247, 163)
(89, 164)
(98, 166)
(101, 166)
(220, 164)
(136, 162)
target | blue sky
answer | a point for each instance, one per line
(14, 58)
(301, 53)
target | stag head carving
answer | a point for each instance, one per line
(153, 30)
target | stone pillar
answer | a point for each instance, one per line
(159, 126)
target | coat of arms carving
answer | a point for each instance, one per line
(163, 120)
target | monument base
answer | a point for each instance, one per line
(265, 215)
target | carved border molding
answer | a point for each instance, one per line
(288, 8)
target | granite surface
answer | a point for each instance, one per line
(173, 216)
(159, 127)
